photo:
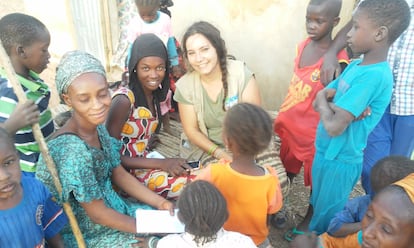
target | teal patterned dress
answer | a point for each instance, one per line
(85, 174)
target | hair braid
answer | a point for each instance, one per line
(224, 73)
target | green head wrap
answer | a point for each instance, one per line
(72, 65)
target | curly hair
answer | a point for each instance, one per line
(212, 34)
(395, 15)
(203, 210)
(389, 170)
(20, 29)
(249, 126)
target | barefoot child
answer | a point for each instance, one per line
(28, 215)
(251, 191)
(297, 120)
(366, 82)
(26, 41)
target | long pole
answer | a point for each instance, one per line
(12, 77)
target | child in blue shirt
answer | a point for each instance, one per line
(28, 215)
(367, 82)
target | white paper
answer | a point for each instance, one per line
(158, 221)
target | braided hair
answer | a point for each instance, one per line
(203, 210)
(212, 34)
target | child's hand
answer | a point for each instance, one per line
(25, 114)
(367, 112)
(175, 166)
(307, 240)
(330, 94)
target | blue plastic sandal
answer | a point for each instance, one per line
(292, 233)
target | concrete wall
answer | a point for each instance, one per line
(263, 33)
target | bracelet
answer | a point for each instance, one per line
(212, 149)
(217, 153)
(152, 242)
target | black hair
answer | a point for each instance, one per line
(389, 170)
(6, 138)
(333, 7)
(249, 126)
(203, 210)
(148, 45)
(393, 14)
(19, 29)
(212, 34)
(148, 2)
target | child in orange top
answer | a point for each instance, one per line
(251, 191)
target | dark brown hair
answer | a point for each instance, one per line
(212, 34)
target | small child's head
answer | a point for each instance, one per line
(389, 170)
(10, 174)
(203, 210)
(26, 40)
(147, 9)
(389, 220)
(388, 19)
(321, 17)
(247, 129)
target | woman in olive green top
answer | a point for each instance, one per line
(211, 86)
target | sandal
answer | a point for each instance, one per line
(292, 233)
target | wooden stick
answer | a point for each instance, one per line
(12, 77)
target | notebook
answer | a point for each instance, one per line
(158, 221)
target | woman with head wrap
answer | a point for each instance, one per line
(134, 118)
(88, 161)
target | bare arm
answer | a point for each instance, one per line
(190, 125)
(347, 229)
(134, 188)
(334, 119)
(25, 114)
(118, 114)
(330, 68)
(251, 93)
(174, 166)
(100, 214)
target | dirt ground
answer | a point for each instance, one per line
(297, 199)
